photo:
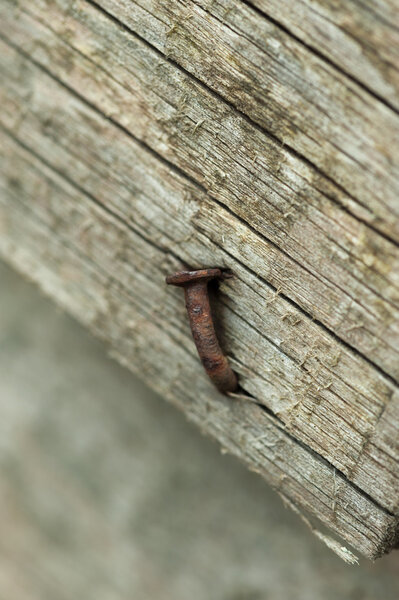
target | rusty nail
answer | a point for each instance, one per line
(195, 284)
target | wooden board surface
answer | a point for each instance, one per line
(130, 149)
(359, 39)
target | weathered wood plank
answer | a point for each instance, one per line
(142, 337)
(359, 38)
(261, 182)
(124, 168)
(280, 378)
(301, 373)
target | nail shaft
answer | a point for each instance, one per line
(195, 284)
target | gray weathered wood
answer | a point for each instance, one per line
(359, 38)
(118, 167)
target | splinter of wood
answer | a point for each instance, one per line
(195, 284)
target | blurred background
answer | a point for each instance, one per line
(108, 493)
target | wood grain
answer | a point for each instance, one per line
(119, 167)
(360, 39)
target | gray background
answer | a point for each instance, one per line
(107, 493)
